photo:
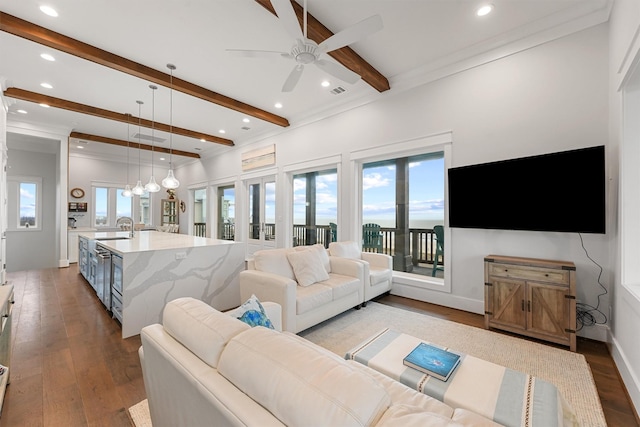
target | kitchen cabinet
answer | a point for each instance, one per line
(73, 248)
(532, 297)
(83, 256)
(169, 211)
(6, 309)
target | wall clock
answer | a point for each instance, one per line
(77, 193)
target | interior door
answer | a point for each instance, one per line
(261, 204)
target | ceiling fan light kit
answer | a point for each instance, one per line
(306, 51)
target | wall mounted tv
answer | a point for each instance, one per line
(563, 191)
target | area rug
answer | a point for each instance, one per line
(139, 414)
(568, 371)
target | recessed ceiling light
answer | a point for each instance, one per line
(44, 105)
(162, 158)
(47, 57)
(48, 10)
(46, 85)
(80, 147)
(246, 120)
(22, 112)
(222, 131)
(325, 83)
(484, 10)
(278, 105)
(203, 140)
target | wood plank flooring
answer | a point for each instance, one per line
(70, 366)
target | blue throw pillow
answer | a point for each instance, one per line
(252, 313)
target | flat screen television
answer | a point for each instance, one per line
(563, 191)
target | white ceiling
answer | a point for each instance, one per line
(419, 38)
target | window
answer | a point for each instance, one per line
(226, 212)
(315, 207)
(402, 207)
(200, 212)
(109, 205)
(144, 208)
(29, 203)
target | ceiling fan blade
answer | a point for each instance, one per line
(352, 34)
(337, 70)
(245, 53)
(288, 17)
(293, 78)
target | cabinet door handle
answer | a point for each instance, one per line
(522, 305)
(529, 306)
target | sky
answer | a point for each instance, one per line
(27, 200)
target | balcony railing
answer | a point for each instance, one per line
(200, 229)
(422, 241)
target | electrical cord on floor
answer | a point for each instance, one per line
(588, 315)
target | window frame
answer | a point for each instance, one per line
(112, 197)
(408, 148)
(19, 180)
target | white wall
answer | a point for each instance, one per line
(85, 170)
(33, 249)
(624, 49)
(545, 99)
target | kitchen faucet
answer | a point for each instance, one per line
(123, 219)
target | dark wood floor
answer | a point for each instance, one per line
(70, 366)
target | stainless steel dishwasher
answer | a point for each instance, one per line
(116, 287)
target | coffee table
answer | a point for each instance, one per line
(501, 394)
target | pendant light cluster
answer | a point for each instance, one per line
(170, 182)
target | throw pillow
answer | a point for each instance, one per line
(273, 261)
(252, 313)
(307, 266)
(345, 250)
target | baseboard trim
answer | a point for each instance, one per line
(628, 376)
(436, 297)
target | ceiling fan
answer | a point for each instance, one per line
(306, 51)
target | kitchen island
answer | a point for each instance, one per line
(154, 268)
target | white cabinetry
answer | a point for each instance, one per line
(72, 242)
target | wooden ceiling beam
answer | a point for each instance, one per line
(39, 98)
(41, 35)
(104, 139)
(317, 32)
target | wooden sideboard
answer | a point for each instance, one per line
(532, 297)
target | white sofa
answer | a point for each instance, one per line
(206, 368)
(378, 271)
(290, 277)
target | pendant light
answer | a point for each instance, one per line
(138, 190)
(152, 186)
(170, 182)
(127, 188)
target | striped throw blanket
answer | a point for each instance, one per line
(508, 397)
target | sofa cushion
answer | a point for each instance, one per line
(342, 285)
(307, 266)
(312, 296)
(252, 313)
(299, 384)
(274, 261)
(411, 416)
(200, 328)
(345, 250)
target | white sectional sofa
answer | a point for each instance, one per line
(202, 367)
(310, 285)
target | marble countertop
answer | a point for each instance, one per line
(97, 235)
(153, 241)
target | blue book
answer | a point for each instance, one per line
(432, 360)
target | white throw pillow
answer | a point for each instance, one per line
(273, 261)
(307, 266)
(345, 250)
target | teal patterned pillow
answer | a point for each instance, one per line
(252, 313)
